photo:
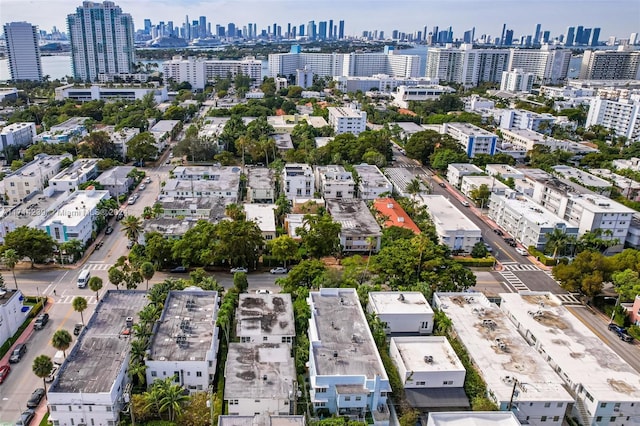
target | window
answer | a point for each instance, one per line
(54, 408)
(265, 338)
(198, 373)
(556, 418)
(321, 390)
(420, 383)
(358, 398)
(560, 404)
(543, 418)
(603, 405)
(547, 404)
(70, 408)
(347, 398)
(447, 382)
(424, 324)
(612, 419)
(108, 408)
(599, 419)
(286, 339)
(154, 374)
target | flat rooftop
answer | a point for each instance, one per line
(263, 214)
(395, 214)
(573, 347)
(466, 168)
(96, 359)
(502, 169)
(413, 350)
(490, 181)
(265, 314)
(35, 166)
(164, 126)
(261, 420)
(259, 371)
(533, 211)
(214, 173)
(600, 204)
(193, 187)
(68, 125)
(80, 204)
(473, 418)
(498, 350)
(168, 226)
(338, 326)
(79, 167)
(214, 205)
(35, 211)
(345, 112)
(445, 215)
(186, 327)
(282, 140)
(619, 180)
(260, 177)
(371, 176)
(585, 178)
(399, 302)
(114, 176)
(470, 129)
(354, 216)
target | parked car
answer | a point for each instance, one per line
(132, 200)
(263, 291)
(77, 329)
(239, 269)
(142, 187)
(108, 230)
(41, 321)
(522, 251)
(621, 332)
(18, 353)
(179, 269)
(120, 215)
(442, 184)
(488, 247)
(26, 417)
(4, 372)
(147, 180)
(35, 398)
(465, 203)
(498, 232)
(510, 241)
(279, 270)
(52, 376)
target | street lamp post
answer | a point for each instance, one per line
(613, 312)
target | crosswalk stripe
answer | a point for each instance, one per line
(97, 266)
(67, 299)
(520, 267)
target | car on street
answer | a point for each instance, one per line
(77, 329)
(522, 251)
(147, 180)
(41, 321)
(498, 232)
(239, 269)
(26, 417)
(142, 187)
(488, 247)
(263, 291)
(4, 372)
(621, 332)
(35, 398)
(179, 269)
(279, 270)
(18, 353)
(120, 215)
(510, 241)
(52, 376)
(442, 184)
(108, 230)
(132, 200)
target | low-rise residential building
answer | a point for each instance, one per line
(162, 131)
(265, 217)
(282, 141)
(17, 134)
(372, 182)
(292, 222)
(261, 420)
(360, 232)
(12, 314)
(298, 181)
(456, 171)
(211, 209)
(479, 418)
(431, 372)
(169, 228)
(632, 163)
(591, 212)
(492, 340)
(347, 120)
(399, 178)
(184, 344)
(406, 94)
(610, 392)
(346, 374)
(284, 124)
(392, 213)
(32, 177)
(629, 188)
(90, 384)
(259, 378)
(72, 129)
(503, 171)
(204, 181)
(265, 318)
(407, 128)
(334, 182)
(116, 180)
(75, 219)
(382, 83)
(526, 120)
(81, 171)
(473, 139)
(121, 138)
(118, 92)
(471, 183)
(454, 229)
(592, 182)
(261, 185)
(406, 312)
(525, 220)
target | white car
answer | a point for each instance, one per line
(239, 269)
(132, 200)
(142, 187)
(279, 270)
(147, 180)
(522, 251)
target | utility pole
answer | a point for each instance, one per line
(513, 393)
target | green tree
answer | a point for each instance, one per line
(585, 274)
(240, 282)
(239, 242)
(626, 283)
(32, 243)
(147, 271)
(142, 147)
(61, 340)
(479, 250)
(116, 276)
(480, 195)
(95, 284)
(158, 249)
(10, 259)
(79, 304)
(557, 242)
(132, 226)
(414, 187)
(284, 248)
(98, 144)
(320, 235)
(196, 412)
(441, 158)
(305, 274)
(42, 367)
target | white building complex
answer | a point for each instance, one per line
(198, 71)
(456, 171)
(346, 374)
(264, 216)
(298, 181)
(334, 182)
(382, 83)
(620, 64)
(402, 312)
(454, 229)
(347, 120)
(549, 64)
(184, 342)
(605, 387)
(96, 92)
(473, 139)
(265, 318)
(17, 134)
(622, 115)
(101, 37)
(406, 94)
(372, 183)
(32, 177)
(259, 379)
(21, 39)
(81, 171)
(517, 81)
(91, 383)
(466, 65)
(11, 313)
(505, 360)
(260, 185)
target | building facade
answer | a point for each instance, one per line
(22, 41)
(620, 64)
(454, 229)
(402, 312)
(347, 120)
(360, 231)
(81, 171)
(32, 177)
(298, 181)
(473, 139)
(17, 134)
(334, 182)
(622, 116)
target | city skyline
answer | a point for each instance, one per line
(614, 17)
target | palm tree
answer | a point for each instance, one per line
(414, 187)
(137, 370)
(79, 304)
(243, 142)
(557, 241)
(61, 340)
(138, 348)
(172, 399)
(235, 211)
(10, 259)
(132, 226)
(42, 367)
(95, 284)
(147, 270)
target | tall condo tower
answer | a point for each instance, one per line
(24, 55)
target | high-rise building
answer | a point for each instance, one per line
(466, 65)
(341, 30)
(548, 64)
(231, 30)
(101, 37)
(21, 39)
(502, 37)
(633, 39)
(546, 35)
(579, 31)
(621, 64)
(202, 27)
(595, 36)
(312, 30)
(469, 35)
(570, 36)
(508, 38)
(147, 26)
(536, 37)
(331, 33)
(586, 36)
(322, 30)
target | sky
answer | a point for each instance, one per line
(615, 17)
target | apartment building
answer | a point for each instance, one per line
(503, 171)
(72, 129)
(454, 418)
(360, 231)
(185, 342)
(298, 181)
(622, 116)
(473, 139)
(346, 374)
(456, 171)
(586, 179)
(528, 120)
(118, 92)
(454, 229)
(372, 183)
(347, 120)
(261, 185)
(91, 384)
(265, 318)
(629, 188)
(392, 213)
(517, 81)
(162, 131)
(591, 212)
(472, 183)
(492, 340)
(382, 83)
(466, 65)
(198, 71)
(264, 216)
(81, 171)
(121, 138)
(22, 47)
(620, 64)
(193, 208)
(334, 182)
(12, 313)
(116, 180)
(17, 134)
(32, 177)
(402, 312)
(610, 393)
(549, 64)
(405, 94)
(204, 181)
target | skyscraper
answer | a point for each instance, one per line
(579, 31)
(322, 30)
(570, 36)
(101, 37)
(508, 38)
(231, 30)
(24, 55)
(202, 27)
(595, 37)
(312, 30)
(586, 36)
(341, 30)
(502, 37)
(331, 33)
(147, 26)
(536, 37)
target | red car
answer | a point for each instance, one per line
(4, 372)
